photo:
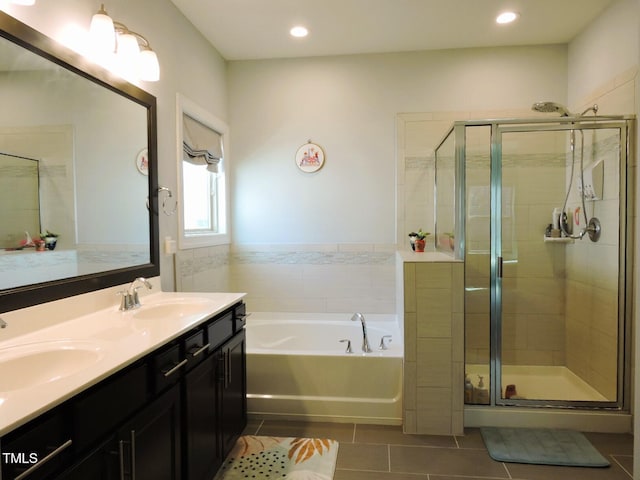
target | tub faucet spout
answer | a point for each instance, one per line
(365, 339)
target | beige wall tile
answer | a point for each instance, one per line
(434, 411)
(409, 290)
(434, 362)
(410, 336)
(433, 275)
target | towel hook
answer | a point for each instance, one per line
(169, 194)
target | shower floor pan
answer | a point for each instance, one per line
(540, 382)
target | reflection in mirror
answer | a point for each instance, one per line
(85, 132)
(19, 198)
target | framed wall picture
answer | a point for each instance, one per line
(310, 157)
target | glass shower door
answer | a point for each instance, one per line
(556, 298)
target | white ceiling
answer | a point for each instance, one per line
(256, 29)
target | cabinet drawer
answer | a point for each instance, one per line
(220, 330)
(240, 317)
(167, 366)
(195, 348)
(38, 449)
(115, 400)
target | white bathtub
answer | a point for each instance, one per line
(298, 368)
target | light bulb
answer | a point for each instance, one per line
(507, 17)
(299, 31)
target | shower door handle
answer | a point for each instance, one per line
(499, 267)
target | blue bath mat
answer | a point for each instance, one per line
(541, 446)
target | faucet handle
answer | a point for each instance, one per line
(348, 350)
(125, 302)
(383, 345)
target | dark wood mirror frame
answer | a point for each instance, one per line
(25, 296)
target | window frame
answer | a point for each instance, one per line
(185, 106)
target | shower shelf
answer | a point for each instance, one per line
(558, 240)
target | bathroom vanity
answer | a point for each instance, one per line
(166, 397)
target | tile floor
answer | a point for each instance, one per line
(377, 452)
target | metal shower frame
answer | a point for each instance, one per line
(627, 126)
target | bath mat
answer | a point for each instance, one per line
(258, 457)
(541, 446)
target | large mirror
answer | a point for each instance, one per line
(78, 210)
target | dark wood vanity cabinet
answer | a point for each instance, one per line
(215, 400)
(147, 447)
(233, 391)
(173, 415)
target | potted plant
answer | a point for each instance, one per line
(50, 239)
(418, 240)
(451, 240)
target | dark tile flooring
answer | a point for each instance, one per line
(378, 452)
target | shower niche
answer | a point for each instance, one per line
(546, 322)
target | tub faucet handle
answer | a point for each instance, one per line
(348, 350)
(383, 345)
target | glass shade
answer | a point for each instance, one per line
(102, 33)
(149, 67)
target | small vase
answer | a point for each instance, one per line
(50, 242)
(419, 244)
(412, 241)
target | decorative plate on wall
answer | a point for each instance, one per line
(310, 157)
(142, 161)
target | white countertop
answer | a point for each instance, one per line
(112, 340)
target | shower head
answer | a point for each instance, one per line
(550, 107)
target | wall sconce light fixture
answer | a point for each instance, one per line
(132, 49)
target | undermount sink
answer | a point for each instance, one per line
(31, 364)
(173, 309)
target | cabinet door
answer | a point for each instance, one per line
(149, 445)
(203, 456)
(100, 464)
(233, 399)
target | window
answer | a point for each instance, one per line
(202, 167)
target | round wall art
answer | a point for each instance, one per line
(142, 161)
(310, 157)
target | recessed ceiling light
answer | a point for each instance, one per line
(507, 17)
(299, 31)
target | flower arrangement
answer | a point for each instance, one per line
(48, 234)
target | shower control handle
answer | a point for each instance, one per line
(349, 349)
(383, 345)
(499, 267)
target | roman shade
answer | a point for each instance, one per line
(201, 145)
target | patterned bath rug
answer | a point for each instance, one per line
(266, 458)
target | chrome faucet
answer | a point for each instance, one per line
(3, 324)
(365, 339)
(130, 298)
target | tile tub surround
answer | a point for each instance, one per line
(433, 293)
(314, 278)
(119, 338)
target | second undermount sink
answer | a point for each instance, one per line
(174, 309)
(31, 364)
